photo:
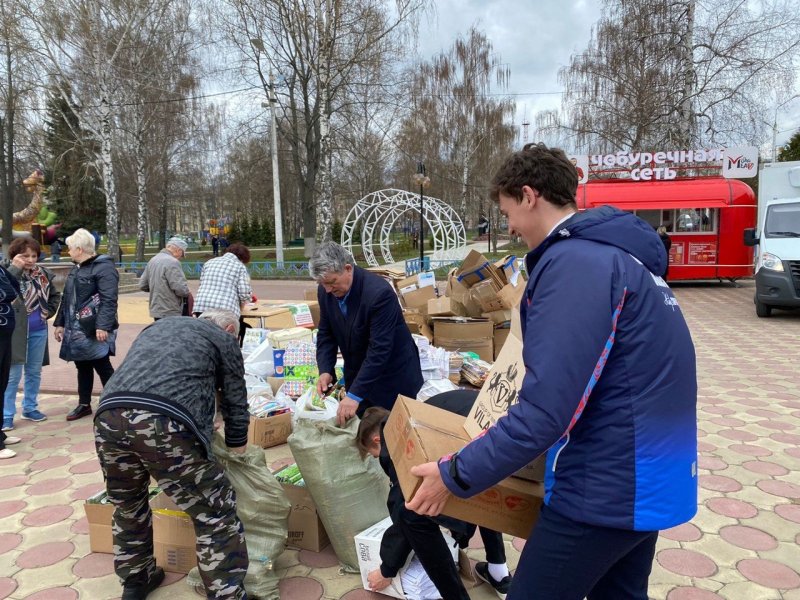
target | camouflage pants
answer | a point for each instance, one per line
(135, 444)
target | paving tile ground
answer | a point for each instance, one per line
(744, 543)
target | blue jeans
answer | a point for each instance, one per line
(37, 341)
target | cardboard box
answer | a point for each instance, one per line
(474, 268)
(485, 294)
(417, 323)
(445, 307)
(306, 530)
(368, 549)
(418, 433)
(498, 317)
(418, 298)
(280, 339)
(465, 335)
(100, 518)
(500, 337)
(174, 542)
(310, 294)
(267, 432)
(460, 293)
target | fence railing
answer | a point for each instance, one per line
(258, 269)
(412, 265)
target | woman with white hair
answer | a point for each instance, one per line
(86, 322)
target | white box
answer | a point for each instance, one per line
(368, 548)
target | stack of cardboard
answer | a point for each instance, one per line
(416, 291)
(488, 290)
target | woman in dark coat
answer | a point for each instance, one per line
(38, 301)
(87, 319)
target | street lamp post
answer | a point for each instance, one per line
(422, 181)
(276, 183)
(258, 46)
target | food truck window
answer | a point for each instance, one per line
(695, 220)
(653, 217)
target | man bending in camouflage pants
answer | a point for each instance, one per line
(155, 418)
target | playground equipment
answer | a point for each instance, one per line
(36, 214)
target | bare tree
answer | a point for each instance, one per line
(317, 46)
(676, 72)
(455, 124)
(83, 42)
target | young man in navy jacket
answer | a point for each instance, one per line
(609, 393)
(361, 316)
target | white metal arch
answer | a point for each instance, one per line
(376, 214)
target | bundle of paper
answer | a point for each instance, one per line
(475, 371)
(456, 362)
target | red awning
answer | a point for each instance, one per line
(712, 192)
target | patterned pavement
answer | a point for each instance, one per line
(744, 543)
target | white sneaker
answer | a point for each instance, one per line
(12, 439)
(7, 453)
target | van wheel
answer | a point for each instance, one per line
(762, 310)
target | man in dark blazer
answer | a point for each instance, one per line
(361, 316)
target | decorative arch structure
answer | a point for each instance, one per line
(376, 214)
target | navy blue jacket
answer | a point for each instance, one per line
(380, 357)
(610, 386)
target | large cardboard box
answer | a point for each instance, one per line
(461, 294)
(445, 307)
(174, 542)
(465, 335)
(267, 432)
(100, 518)
(306, 530)
(368, 548)
(418, 433)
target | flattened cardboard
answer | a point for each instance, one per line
(500, 336)
(306, 530)
(100, 517)
(498, 317)
(418, 433)
(174, 542)
(267, 432)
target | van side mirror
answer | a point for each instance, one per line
(750, 237)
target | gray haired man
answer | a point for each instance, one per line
(361, 316)
(155, 418)
(163, 277)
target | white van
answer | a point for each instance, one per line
(777, 260)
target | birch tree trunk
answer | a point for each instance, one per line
(141, 186)
(687, 117)
(107, 171)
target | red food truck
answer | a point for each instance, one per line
(705, 217)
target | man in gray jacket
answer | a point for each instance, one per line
(155, 418)
(164, 279)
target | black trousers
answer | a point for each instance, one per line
(569, 560)
(86, 369)
(5, 368)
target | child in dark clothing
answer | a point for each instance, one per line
(411, 531)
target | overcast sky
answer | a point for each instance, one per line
(535, 39)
